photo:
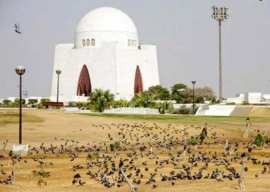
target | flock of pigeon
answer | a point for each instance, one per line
(144, 154)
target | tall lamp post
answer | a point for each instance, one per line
(20, 70)
(58, 72)
(193, 106)
(220, 14)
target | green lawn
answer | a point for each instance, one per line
(185, 118)
(13, 118)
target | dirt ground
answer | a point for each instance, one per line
(260, 111)
(74, 130)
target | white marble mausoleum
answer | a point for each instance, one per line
(107, 54)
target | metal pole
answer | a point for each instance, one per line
(220, 64)
(20, 119)
(57, 88)
(193, 99)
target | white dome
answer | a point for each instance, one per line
(106, 19)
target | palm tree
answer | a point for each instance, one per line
(100, 100)
(164, 107)
(143, 100)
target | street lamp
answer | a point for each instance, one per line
(193, 106)
(20, 70)
(220, 14)
(58, 72)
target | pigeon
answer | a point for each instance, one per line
(77, 176)
(81, 182)
(74, 181)
(17, 28)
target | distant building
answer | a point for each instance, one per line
(106, 55)
(251, 98)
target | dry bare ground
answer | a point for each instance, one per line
(260, 111)
(92, 133)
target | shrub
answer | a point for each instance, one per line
(192, 141)
(259, 140)
(6, 102)
(45, 100)
(72, 104)
(121, 103)
(32, 101)
(183, 110)
(80, 104)
(42, 173)
(40, 106)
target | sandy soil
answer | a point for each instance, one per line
(90, 131)
(260, 111)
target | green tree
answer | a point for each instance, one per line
(143, 99)
(100, 100)
(199, 99)
(179, 92)
(159, 93)
(7, 102)
(17, 101)
(164, 107)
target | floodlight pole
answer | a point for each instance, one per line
(58, 72)
(20, 120)
(220, 14)
(20, 70)
(193, 106)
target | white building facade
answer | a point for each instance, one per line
(251, 98)
(106, 55)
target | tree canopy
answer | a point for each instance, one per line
(179, 92)
(100, 100)
(143, 99)
(159, 93)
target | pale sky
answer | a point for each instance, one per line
(185, 35)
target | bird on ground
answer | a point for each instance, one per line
(121, 163)
(3, 173)
(74, 181)
(77, 176)
(81, 182)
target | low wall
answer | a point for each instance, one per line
(215, 110)
(132, 110)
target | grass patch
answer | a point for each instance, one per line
(13, 118)
(185, 119)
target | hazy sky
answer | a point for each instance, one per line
(185, 35)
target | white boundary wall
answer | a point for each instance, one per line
(132, 110)
(215, 110)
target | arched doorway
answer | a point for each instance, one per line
(138, 84)
(84, 83)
